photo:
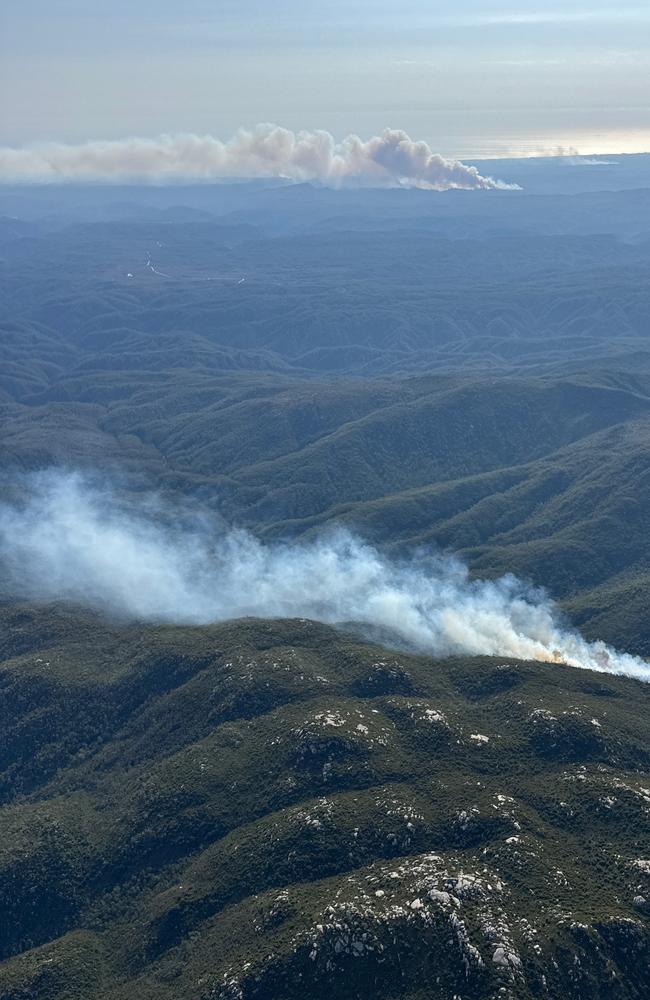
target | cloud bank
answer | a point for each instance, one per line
(389, 159)
(70, 540)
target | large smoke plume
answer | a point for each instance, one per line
(389, 159)
(71, 540)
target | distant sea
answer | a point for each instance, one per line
(602, 142)
(512, 133)
(480, 134)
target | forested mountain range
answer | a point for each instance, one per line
(278, 809)
(467, 369)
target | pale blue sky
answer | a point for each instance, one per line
(468, 76)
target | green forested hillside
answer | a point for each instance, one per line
(272, 809)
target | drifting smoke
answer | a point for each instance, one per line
(573, 157)
(70, 541)
(390, 159)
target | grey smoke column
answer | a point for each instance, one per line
(388, 159)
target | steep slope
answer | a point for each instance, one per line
(278, 810)
(576, 521)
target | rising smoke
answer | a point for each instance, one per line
(389, 159)
(72, 540)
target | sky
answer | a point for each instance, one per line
(471, 77)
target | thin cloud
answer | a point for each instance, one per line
(547, 17)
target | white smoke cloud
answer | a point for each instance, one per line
(389, 159)
(72, 541)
